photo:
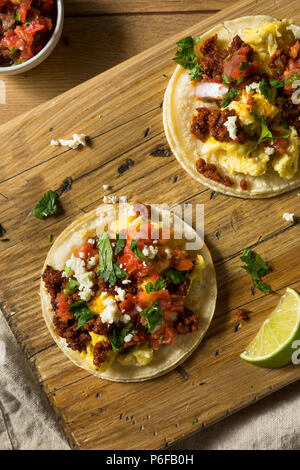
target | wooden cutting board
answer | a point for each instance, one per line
(120, 111)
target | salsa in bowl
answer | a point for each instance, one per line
(29, 31)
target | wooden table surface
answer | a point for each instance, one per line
(108, 33)
(99, 34)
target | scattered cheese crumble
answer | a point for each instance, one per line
(230, 124)
(150, 251)
(78, 139)
(77, 266)
(269, 150)
(289, 217)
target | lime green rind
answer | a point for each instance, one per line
(281, 356)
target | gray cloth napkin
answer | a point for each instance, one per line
(28, 422)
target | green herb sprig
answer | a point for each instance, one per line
(159, 284)
(186, 57)
(257, 268)
(47, 206)
(81, 312)
(153, 316)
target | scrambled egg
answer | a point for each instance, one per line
(255, 103)
(89, 354)
(140, 356)
(286, 165)
(231, 156)
(96, 305)
(267, 38)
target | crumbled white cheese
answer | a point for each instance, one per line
(154, 242)
(126, 318)
(106, 186)
(252, 88)
(111, 313)
(78, 139)
(82, 255)
(92, 261)
(150, 251)
(269, 150)
(126, 281)
(128, 338)
(91, 241)
(77, 265)
(289, 217)
(110, 199)
(120, 294)
(138, 308)
(230, 124)
(168, 251)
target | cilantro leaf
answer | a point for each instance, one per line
(117, 336)
(176, 276)
(120, 273)
(195, 72)
(109, 271)
(72, 286)
(159, 284)
(276, 83)
(106, 268)
(244, 65)
(225, 79)
(153, 316)
(120, 244)
(135, 249)
(47, 206)
(257, 268)
(229, 97)
(265, 89)
(81, 312)
(185, 55)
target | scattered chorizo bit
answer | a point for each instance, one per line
(243, 185)
(223, 126)
(209, 170)
(243, 313)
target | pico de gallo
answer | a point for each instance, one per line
(25, 28)
(123, 297)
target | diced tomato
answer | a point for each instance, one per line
(131, 263)
(232, 66)
(127, 305)
(146, 300)
(85, 251)
(24, 7)
(178, 261)
(62, 306)
(163, 335)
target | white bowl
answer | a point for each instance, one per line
(45, 52)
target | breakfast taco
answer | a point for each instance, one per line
(231, 111)
(124, 296)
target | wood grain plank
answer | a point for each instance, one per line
(88, 47)
(125, 7)
(128, 98)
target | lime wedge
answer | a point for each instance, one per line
(272, 346)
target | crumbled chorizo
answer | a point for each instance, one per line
(243, 313)
(209, 170)
(200, 126)
(212, 61)
(53, 282)
(101, 351)
(219, 131)
(187, 322)
(243, 184)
